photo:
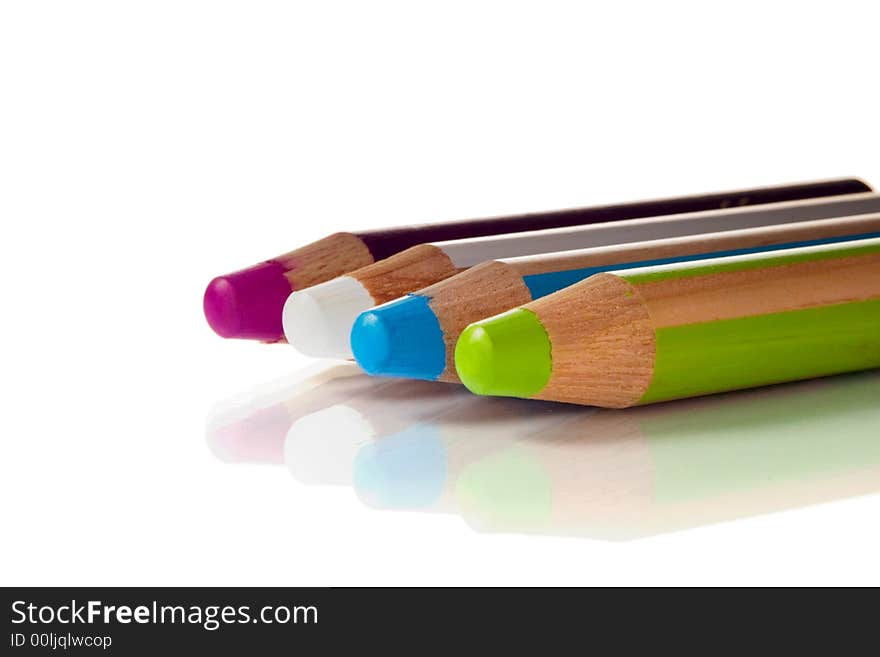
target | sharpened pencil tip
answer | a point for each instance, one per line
(247, 304)
(318, 320)
(507, 355)
(400, 338)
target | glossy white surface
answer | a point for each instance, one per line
(145, 149)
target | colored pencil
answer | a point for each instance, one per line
(668, 467)
(247, 304)
(654, 334)
(318, 321)
(415, 336)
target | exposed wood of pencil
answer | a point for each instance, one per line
(325, 259)
(602, 330)
(482, 291)
(409, 270)
(603, 343)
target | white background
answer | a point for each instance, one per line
(148, 146)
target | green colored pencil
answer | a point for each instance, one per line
(653, 334)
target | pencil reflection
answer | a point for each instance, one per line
(251, 427)
(515, 466)
(315, 420)
(320, 448)
(416, 468)
(509, 465)
(625, 474)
